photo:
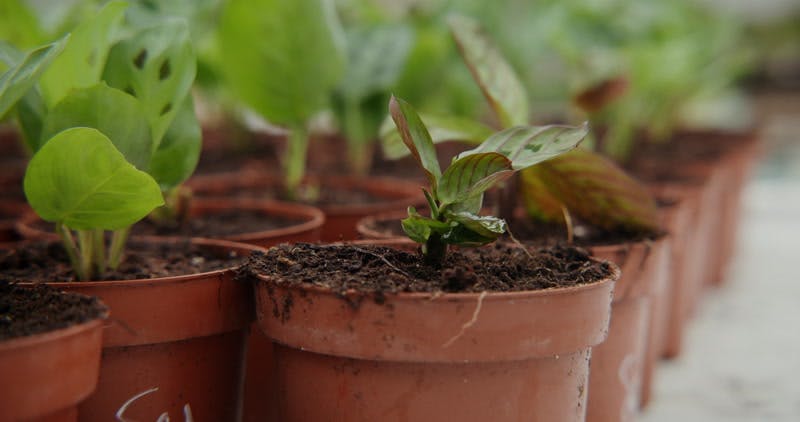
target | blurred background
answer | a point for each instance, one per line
(690, 64)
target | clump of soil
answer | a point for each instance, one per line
(49, 262)
(28, 310)
(500, 267)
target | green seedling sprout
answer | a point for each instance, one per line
(580, 182)
(104, 154)
(455, 196)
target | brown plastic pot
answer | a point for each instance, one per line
(340, 219)
(469, 357)
(46, 376)
(183, 335)
(617, 366)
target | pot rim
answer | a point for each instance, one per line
(49, 336)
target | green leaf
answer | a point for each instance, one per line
(461, 235)
(487, 226)
(31, 112)
(114, 113)
(157, 66)
(472, 175)
(18, 24)
(282, 58)
(79, 179)
(17, 81)
(598, 192)
(528, 145)
(416, 138)
(416, 228)
(375, 59)
(496, 78)
(177, 155)
(441, 129)
(82, 61)
(10, 56)
(539, 203)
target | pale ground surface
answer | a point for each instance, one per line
(741, 360)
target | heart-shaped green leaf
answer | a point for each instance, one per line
(157, 66)
(416, 138)
(177, 155)
(598, 192)
(472, 175)
(441, 129)
(496, 78)
(16, 81)
(114, 113)
(81, 63)
(79, 179)
(282, 58)
(525, 146)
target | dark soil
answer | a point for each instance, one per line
(49, 262)
(500, 267)
(229, 223)
(28, 310)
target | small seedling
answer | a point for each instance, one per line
(455, 196)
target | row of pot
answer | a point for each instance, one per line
(660, 283)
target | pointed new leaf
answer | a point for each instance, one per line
(114, 113)
(416, 138)
(81, 63)
(594, 189)
(441, 129)
(157, 66)
(496, 78)
(528, 145)
(16, 81)
(79, 179)
(472, 175)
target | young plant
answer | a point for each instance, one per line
(580, 183)
(80, 181)
(455, 196)
(283, 59)
(121, 143)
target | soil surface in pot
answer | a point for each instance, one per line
(214, 225)
(583, 235)
(49, 262)
(36, 309)
(499, 267)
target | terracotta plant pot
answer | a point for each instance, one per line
(46, 375)
(183, 335)
(618, 364)
(423, 356)
(305, 226)
(340, 219)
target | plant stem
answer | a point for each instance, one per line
(357, 141)
(434, 250)
(118, 239)
(86, 246)
(99, 250)
(295, 160)
(72, 249)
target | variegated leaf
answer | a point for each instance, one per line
(598, 192)
(472, 175)
(525, 146)
(416, 138)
